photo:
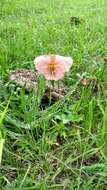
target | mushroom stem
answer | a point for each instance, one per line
(53, 84)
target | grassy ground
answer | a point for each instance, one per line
(62, 146)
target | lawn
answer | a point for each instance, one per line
(60, 144)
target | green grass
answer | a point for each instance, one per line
(62, 146)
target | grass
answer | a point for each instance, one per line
(61, 146)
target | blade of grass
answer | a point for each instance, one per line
(2, 140)
(104, 131)
(25, 176)
(1, 148)
(90, 119)
(4, 112)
